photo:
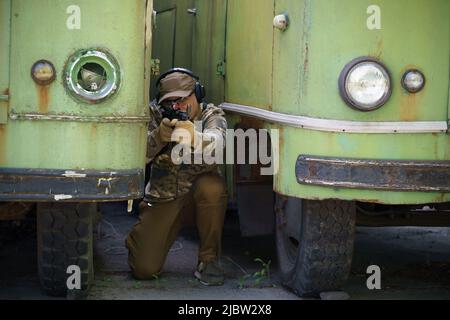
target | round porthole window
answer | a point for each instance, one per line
(92, 75)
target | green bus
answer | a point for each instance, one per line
(73, 120)
(358, 91)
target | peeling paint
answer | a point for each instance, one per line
(77, 118)
(59, 197)
(105, 183)
(73, 174)
(307, 25)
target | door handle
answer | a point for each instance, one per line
(192, 11)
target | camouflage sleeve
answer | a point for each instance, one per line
(214, 125)
(154, 143)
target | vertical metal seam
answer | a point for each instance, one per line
(174, 36)
(225, 49)
(272, 60)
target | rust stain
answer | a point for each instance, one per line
(408, 107)
(94, 129)
(250, 123)
(440, 198)
(379, 49)
(436, 148)
(306, 60)
(2, 143)
(410, 102)
(305, 69)
(44, 98)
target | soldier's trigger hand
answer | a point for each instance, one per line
(166, 129)
(169, 123)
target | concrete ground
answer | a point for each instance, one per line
(415, 264)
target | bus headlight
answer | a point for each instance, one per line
(92, 75)
(413, 81)
(365, 84)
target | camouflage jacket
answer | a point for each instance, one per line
(169, 180)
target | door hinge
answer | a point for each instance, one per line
(154, 69)
(220, 69)
(4, 97)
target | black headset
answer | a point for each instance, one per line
(199, 89)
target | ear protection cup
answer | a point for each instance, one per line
(199, 89)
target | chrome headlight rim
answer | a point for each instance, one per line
(106, 61)
(345, 95)
(411, 90)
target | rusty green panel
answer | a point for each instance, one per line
(172, 36)
(209, 46)
(325, 35)
(249, 52)
(116, 27)
(288, 58)
(295, 142)
(76, 146)
(5, 14)
(110, 135)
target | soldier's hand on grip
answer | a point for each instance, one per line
(185, 132)
(166, 129)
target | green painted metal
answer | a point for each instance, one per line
(76, 145)
(39, 31)
(325, 35)
(249, 47)
(294, 142)
(296, 72)
(5, 8)
(172, 35)
(209, 46)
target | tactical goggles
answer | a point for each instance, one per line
(171, 103)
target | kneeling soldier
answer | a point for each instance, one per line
(175, 189)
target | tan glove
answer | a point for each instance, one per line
(166, 129)
(184, 132)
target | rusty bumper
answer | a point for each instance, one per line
(69, 186)
(393, 175)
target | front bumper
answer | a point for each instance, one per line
(69, 186)
(389, 175)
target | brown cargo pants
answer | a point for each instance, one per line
(153, 235)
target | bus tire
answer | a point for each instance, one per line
(314, 243)
(65, 238)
